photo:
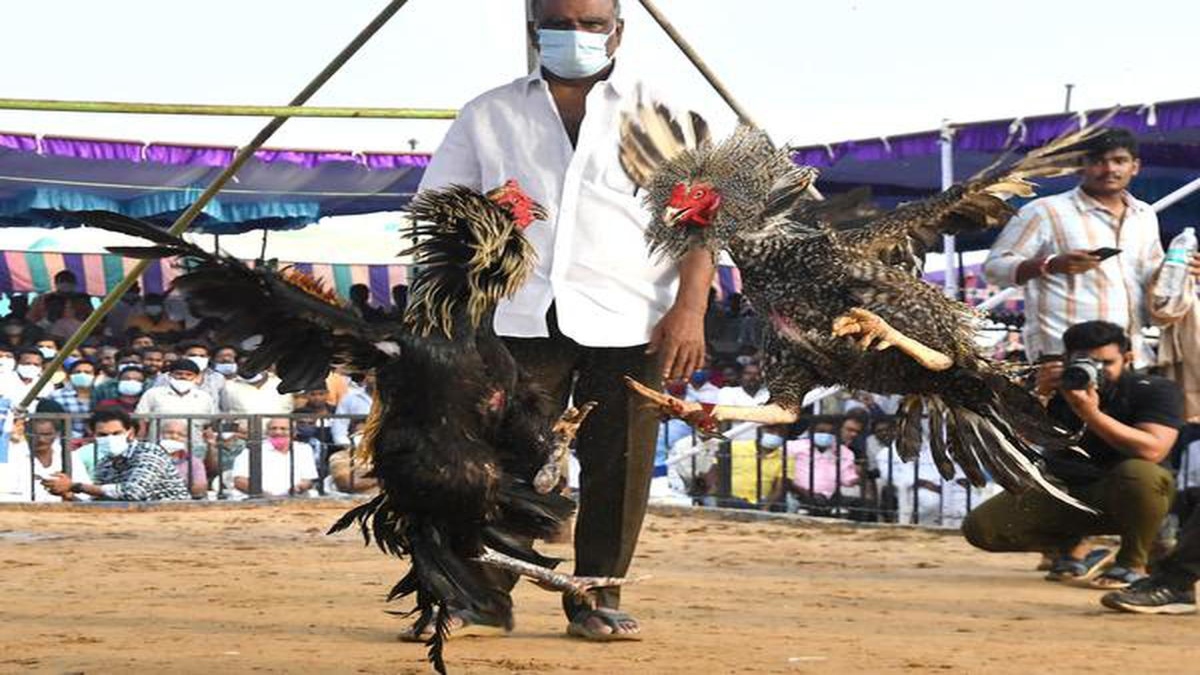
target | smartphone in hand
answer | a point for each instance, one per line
(1105, 252)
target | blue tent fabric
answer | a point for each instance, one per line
(43, 180)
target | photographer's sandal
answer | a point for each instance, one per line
(1072, 570)
(1114, 578)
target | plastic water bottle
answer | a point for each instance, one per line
(1175, 267)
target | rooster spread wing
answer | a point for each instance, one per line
(304, 328)
(904, 235)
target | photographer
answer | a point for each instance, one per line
(1130, 421)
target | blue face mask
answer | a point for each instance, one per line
(771, 441)
(82, 380)
(822, 439)
(573, 54)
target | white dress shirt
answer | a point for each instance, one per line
(593, 263)
(1115, 291)
(277, 471)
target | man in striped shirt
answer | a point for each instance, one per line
(1054, 249)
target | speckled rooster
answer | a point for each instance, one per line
(468, 452)
(848, 307)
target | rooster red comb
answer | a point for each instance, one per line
(520, 206)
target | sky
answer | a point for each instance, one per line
(808, 71)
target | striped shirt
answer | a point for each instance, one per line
(145, 472)
(1116, 291)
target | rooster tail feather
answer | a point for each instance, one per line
(470, 255)
(652, 135)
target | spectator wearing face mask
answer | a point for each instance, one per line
(180, 396)
(124, 392)
(209, 381)
(174, 439)
(154, 320)
(122, 361)
(755, 469)
(27, 371)
(224, 441)
(288, 465)
(701, 389)
(126, 469)
(820, 467)
(76, 396)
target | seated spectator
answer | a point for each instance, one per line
(820, 468)
(20, 478)
(27, 371)
(756, 470)
(76, 396)
(223, 443)
(210, 381)
(140, 342)
(315, 402)
(126, 470)
(180, 397)
(699, 388)
(105, 359)
(125, 391)
(351, 474)
(256, 394)
(225, 361)
(15, 334)
(153, 321)
(360, 301)
(748, 392)
(1130, 422)
(61, 311)
(173, 437)
(357, 401)
(153, 362)
(288, 466)
(123, 360)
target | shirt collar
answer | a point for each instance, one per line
(1085, 202)
(618, 81)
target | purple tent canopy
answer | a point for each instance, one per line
(44, 179)
(908, 166)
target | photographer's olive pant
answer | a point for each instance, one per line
(1131, 500)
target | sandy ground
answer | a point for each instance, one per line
(235, 589)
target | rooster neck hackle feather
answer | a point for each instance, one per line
(468, 248)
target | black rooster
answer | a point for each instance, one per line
(466, 449)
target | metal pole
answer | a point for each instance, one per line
(946, 140)
(532, 57)
(185, 219)
(1067, 104)
(707, 72)
(1176, 196)
(136, 108)
(698, 62)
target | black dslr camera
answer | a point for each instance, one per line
(1082, 372)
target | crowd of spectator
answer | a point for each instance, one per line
(153, 389)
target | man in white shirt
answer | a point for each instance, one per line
(21, 477)
(749, 392)
(255, 395)
(596, 307)
(1055, 249)
(288, 466)
(180, 397)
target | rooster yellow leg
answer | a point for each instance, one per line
(690, 410)
(565, 429)
(548, 579)
(876, 333)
